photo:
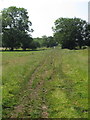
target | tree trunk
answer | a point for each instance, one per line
(24, 49)
(11, 49)
(80, 46)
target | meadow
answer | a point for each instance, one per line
(50, 83)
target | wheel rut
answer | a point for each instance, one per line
(27, 106)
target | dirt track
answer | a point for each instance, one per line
(36, 94)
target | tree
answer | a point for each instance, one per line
(34, 45)
(69, 32)
(80, 31)
(40, 41)
(51, 42)
(87, 35)
(44, 38)
(25, 40)
(14, 22)
(11, 39)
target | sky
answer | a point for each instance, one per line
(43, 13)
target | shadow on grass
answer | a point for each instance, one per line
(21, 50)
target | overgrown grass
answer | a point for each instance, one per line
(68, 90)
(17, 69)
(60, 80)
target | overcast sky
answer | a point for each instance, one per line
(43, 13)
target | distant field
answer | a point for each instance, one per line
(50, 83)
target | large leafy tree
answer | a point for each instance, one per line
(87, 35)
(70, 32)
(15, 21)
(26, 40)
(11, 39)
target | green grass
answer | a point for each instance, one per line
(53, 77)
(17, 69)
(69, 91)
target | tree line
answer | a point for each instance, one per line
(71, 33)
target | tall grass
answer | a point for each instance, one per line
(17, 69)
(68, 90)
(61, 74)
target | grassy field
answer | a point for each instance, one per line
(50, 83)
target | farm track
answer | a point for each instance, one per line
(55, 86)
(33, 95)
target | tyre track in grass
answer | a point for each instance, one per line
(20, 108)
(34, 94)
(45, 106)
(61, 91)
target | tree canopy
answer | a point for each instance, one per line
(16, 28)
(70, 32)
